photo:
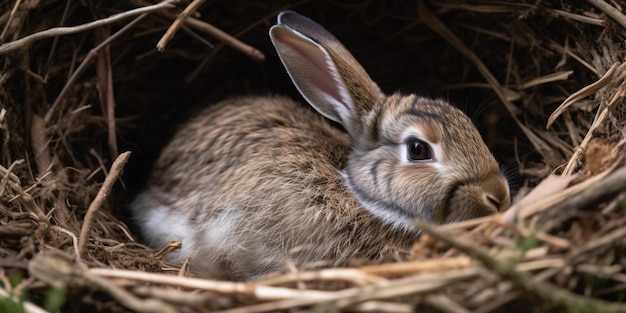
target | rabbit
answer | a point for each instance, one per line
(257, 182)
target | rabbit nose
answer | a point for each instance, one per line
(496, 195)
(493, 202)
(495, 192)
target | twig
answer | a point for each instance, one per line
(610, 11)
(540, 264)
(57, 271)
(555, 296)
(28, 201)
(521, 212)
(202, 299)
(601, 116)
(295, 298)
(418, 266)
(172, 246)
(567, 51)
(7, 175)
(381, 307)
(354, 276)
(60, 31)
(125, 231)
(542, 236)
(467, 223)
(40, 144)
(150, 305)
(178, 23)
(612, 272)
(579, 254)
(105, 84)
(611, 184)
(10, 21)
(445, 304)
(55, 41)
(416, 284)
(577, 17)
(227, 39)
(114, 173)
(582, 93)
(16, 229)
(502, 299)
(435, 24)
(293, 302)
(348, 298)
(547, 79)
(177, 296)
(74, 241)
(83, 66)
(217, 33)
(259, 292)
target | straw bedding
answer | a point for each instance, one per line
(83, 82)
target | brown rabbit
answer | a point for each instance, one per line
(254, 182)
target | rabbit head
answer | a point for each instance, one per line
(412, 157)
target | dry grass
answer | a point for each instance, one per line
(545, 80)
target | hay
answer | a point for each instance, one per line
(544, 80)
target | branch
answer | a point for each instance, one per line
(610, 11)
(553, 295)
(178, 23)
(114, 173)
(60, 31)
(57, 271)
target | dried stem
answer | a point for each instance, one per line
(105, 83)
(103, 193)
(60, 31)
(211, 30)
(610, 11)
(56, 271)
(178, 23)
(39, 137)
(557, 297)
(83, 66)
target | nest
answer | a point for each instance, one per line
(83, 82)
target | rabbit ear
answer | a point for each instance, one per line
(324, 72)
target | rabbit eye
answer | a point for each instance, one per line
(418, 150)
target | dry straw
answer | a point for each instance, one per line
(558, 75)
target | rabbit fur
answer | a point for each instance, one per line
(253, 182)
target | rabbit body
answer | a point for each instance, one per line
(292, 204)
(255, 182)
